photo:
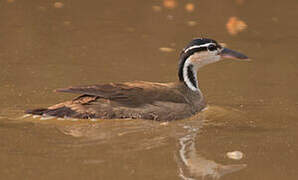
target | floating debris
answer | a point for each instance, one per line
(58, 5)
(237, 155)
(191, 23)
(189, 7)
(166, 49)
(235, 25)
(170, 17)
(170, 4)
(67, 23)
(156, 8)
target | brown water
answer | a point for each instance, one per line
(253, 106)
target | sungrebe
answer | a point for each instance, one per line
(146, 100)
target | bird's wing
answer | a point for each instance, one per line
(131, 93)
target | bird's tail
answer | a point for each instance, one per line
(39, 111)
(57, 112)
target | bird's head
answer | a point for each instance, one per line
(200, 52)
(204, 51)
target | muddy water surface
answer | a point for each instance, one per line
(253, 106)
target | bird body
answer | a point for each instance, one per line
(137, 100)
(145, 100)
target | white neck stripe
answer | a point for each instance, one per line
(198, 46)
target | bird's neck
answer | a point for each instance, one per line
(188, 74)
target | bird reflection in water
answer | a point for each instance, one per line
(198, 166)
(150, 135)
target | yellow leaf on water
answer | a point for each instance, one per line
(237, 155)
(166, 49)
(58, 5)
(190, 7)
(156, 8)
(170, 4)
(191, 23)
(235, 25)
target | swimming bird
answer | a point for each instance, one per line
(146, 100)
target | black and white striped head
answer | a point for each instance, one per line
(200, 52)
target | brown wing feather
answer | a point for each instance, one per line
(131, 93)
(111, 90)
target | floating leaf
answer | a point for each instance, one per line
(170, 4)
(190, 7)
(156, 8)
(235, 25)
(58, 5)
(191, 23)
(166, 49)
(237, 155)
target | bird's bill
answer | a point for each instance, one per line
(231, 54)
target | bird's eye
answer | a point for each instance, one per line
(211, 47)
